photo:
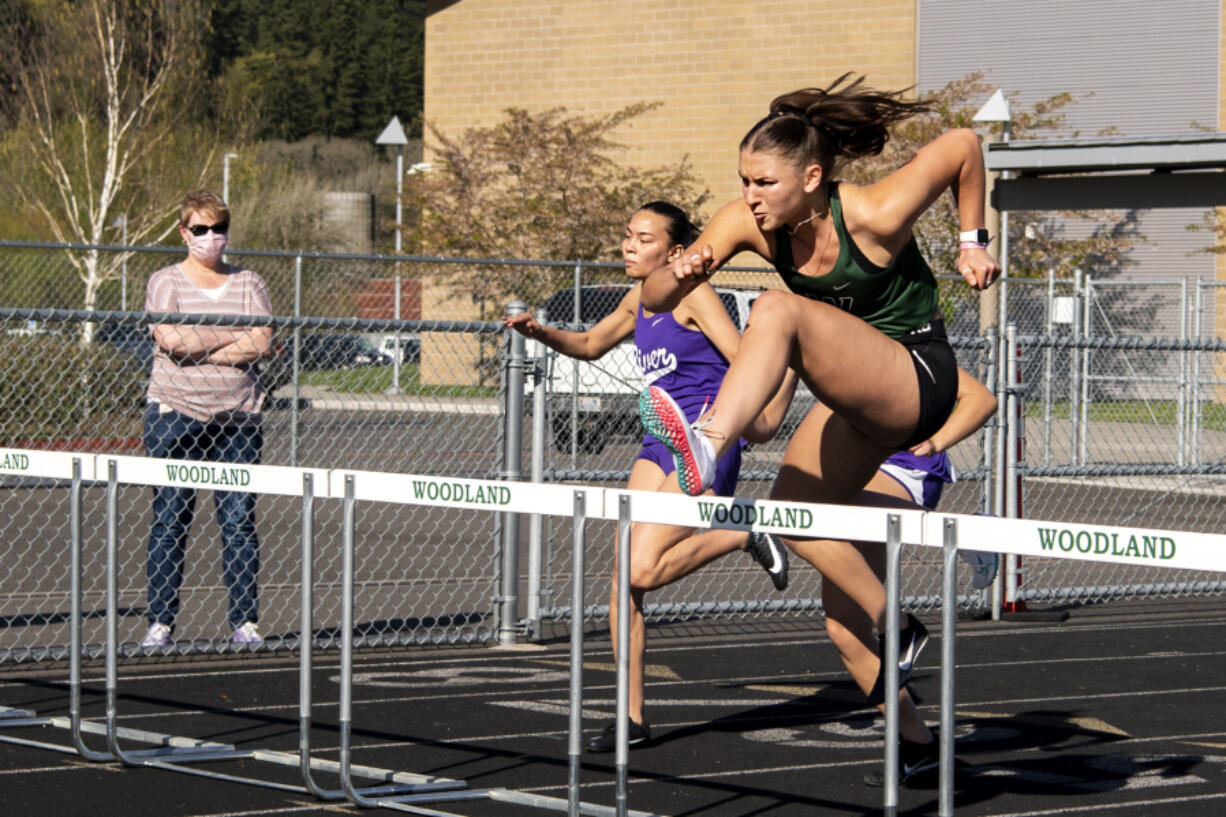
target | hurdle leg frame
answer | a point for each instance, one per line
(622, 758)
(575, 736)
(10, 717)
(75, 623)
(949, 614)
(169, 755)
(893, 561)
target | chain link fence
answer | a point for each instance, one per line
(383, 364)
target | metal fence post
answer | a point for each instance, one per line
(295, 363)
(1010, 486)
(1014, 432)
(508, 601)
(987, 496)
(1198, 306)
(1074, 389)
(536, 521)
(1048, 363)
(1083, 407)
(1001, 387)
(991, 428)
(398, 355)
(1181, 387)
(576, 316)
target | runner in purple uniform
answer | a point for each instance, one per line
(922, 478)
(685, 352)
(921, 472)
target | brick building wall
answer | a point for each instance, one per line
(715, 64)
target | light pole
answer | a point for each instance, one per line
(225, 177)
(996, 109)
(393, 134)
(122, 222)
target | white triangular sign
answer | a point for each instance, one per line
(393, 134)
(996, 109)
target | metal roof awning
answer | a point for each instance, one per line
(1113, 173)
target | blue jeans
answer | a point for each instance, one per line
(176, 436)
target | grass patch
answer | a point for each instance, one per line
(378, 379)
(1148, 412)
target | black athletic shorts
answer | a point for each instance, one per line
(936, 370)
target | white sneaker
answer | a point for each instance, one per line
(247, 633)
(693, 453)
(158, 635)
(983, 565)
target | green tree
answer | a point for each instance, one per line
(1213, 222)
(534, 186)
(336, 68)
(1032, 252)
(110, 119)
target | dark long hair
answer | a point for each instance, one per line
(680, 229)
(826, 124)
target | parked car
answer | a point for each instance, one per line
(410, 345)
(132, 340)
(324, 350)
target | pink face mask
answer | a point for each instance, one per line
(207, 248)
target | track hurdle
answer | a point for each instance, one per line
(172, 752)
(1046, 539)
(488, 496)
(892, 527)
(261, 479)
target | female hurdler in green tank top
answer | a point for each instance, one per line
(860, 327)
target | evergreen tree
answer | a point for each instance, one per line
(336, 68)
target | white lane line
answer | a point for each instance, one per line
(68, 766)
(1132, 804)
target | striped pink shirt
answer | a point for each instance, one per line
(206, 391)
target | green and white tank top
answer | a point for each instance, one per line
(896, 299)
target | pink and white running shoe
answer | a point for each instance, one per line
(693, 453)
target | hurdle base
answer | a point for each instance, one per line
(1014, 615)
(1034, 615)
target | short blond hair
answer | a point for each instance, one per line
(203, 201)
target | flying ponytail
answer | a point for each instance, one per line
(825, 124)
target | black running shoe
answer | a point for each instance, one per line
(914, 759)
(606, 741)
(768, 550)
(911, 640)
